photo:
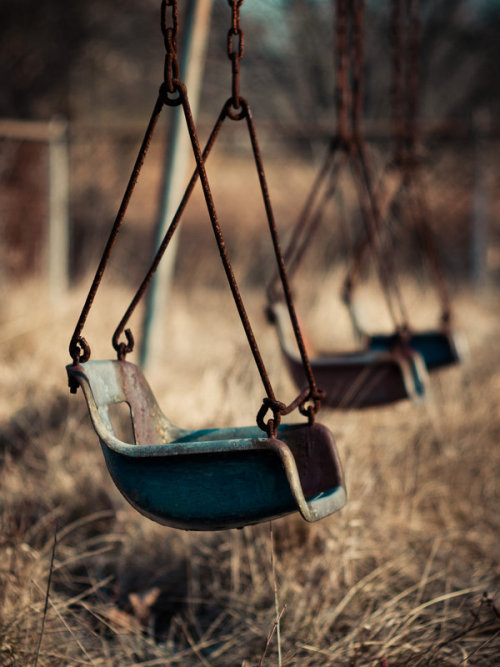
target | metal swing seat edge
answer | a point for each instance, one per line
(209, 479)
(357, 379)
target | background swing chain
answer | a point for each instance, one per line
(349, 61)
(341, 61)
(372, 212)
(398, 74)
(412, 77)
(312, 212)
(357, 10)
(417, 206)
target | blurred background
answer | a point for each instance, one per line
(92, 69)
(408, 572)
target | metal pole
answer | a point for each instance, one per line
(176, 171)
(58, 210)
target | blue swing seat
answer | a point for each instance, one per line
(438, 348)
(207, 479)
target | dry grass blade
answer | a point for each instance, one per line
(270, 638)
(46, 603)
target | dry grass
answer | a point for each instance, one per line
(407, 574)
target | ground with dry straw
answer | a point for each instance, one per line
(407, 574)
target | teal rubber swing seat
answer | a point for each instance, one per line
(207, 479)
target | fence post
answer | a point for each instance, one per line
(58, 237)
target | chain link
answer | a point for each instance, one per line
(169, 28)
(235, 51)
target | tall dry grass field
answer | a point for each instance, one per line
(407, 574)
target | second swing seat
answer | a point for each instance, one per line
(359, 379)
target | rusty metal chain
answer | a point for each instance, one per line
(348, 142)
(313, 210)
(169, 30)
(369, 199)
(357, 9)
(308, 402)
(79, 348)
(397, 84)
(342, 93)
(406, 31)
(235, 49)
(314, 394)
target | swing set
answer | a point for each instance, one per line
(220, 478)
(215, 478)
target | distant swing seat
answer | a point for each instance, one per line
(207, 479)
(359, 379)
(438, 348)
